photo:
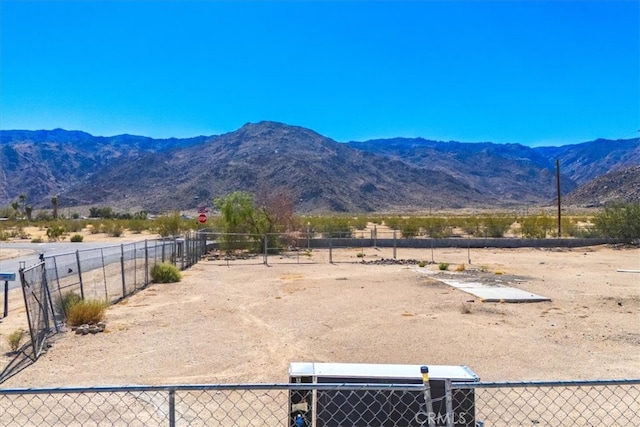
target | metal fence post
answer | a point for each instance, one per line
(330, 249)
(124, 287)
(79, 274)
(395, 244)
(6, 298)
(135, 267)
(172, 407)
(448, 402)
(424, 370)
(375, 236)
(146, 263)
(266, 248)
(104, 276)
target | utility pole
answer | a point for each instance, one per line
(559, 203)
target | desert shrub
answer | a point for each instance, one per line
(138, 225)
(43, 216)
(359, 223)
(436, 227)
(443, 266)
(73, 226)
(113, 228)
(165, 273)
(14, 339)
(335, 227)
(536, 227)
(393, 222)
(169, 225)
(103, 212)
(466, 308)
(86, 311)
(77, 238)
(410, 228)
(36, 240)
(4, 236)
(461, 268)
(619, 221)
(55, 232)
(19, 233)
(65, 301)
(422, 263)
(496, 226)
(471, 225)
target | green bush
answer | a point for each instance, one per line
(77, 238)
(422, 264)
(496, 226)
(410, 228)
(55, 232)
(443, 266)
(14, 339)
(619, 221)
(138, 225)
(165, 273)
(170, 225)
(436, 228)
(113, 228)
(86, 311)
(537, 227)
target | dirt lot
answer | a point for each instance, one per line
(245, 322)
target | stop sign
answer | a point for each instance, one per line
(202, 218)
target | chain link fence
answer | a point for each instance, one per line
(108, 274)
(575, 403)
(559, 403)
(357, 247)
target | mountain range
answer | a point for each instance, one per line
(132, 173)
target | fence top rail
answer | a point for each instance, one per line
(312, 386)
(159, 241)
(561, 383)
(217, 387)
(32, 267)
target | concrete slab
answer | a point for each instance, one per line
(488, 292)
(493, 293)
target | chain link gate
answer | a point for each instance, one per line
(39, 306)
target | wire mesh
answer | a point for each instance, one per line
(576, 403)
(587, 403)
(39, 307)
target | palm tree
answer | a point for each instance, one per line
(54, 204)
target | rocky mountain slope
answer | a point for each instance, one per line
(133, 172)
(617, 186)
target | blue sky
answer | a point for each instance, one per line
(530, 72)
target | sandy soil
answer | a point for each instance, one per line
(245, 322)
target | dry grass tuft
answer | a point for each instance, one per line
(84, 312)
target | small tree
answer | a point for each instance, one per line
(273, 213)
(28, 210)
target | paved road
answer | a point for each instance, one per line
(48, 249)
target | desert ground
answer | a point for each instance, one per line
(241, 321)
